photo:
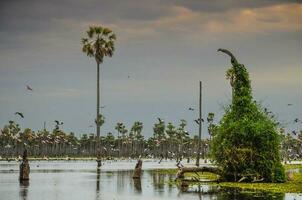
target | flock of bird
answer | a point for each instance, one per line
(20, 114)
(296, 120)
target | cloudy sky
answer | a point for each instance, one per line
(165, 47)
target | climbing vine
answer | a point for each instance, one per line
(246, 142)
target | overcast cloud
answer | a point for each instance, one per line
(165, 47)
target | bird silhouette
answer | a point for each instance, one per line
(58, 123)
(198, 120)
(289, 104)
(160, 120)
(191, 109)
(296, 120)
(29, 88)
(294, 132)
(20, 114)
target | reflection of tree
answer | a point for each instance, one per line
(137, 185)
(158, 180)
(239, 195)
(24, 189)
(98, 177)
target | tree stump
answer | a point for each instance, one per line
(138, 169)
(24, 168)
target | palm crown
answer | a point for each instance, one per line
(100, 43)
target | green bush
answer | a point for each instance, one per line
(246, 142)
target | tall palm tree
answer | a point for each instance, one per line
(136, 129)
(119, 128)
(99, 44)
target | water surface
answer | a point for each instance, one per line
(80, 180)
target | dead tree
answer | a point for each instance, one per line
(138, 169)
(182, 170)
(24, 168)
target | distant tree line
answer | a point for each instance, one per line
(168, 141)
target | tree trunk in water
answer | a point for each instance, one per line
(138, 169)
(24, 168)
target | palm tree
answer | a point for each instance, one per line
(136, 130)
(159, 136)
(181, 133)
(100, 43)
(119, 127)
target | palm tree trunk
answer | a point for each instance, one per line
(98, 101)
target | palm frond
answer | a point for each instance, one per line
(106, 31)
(98, 30)
(90, 32)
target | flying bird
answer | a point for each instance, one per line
(20, 114)
(191, 109)
(90, 125)
(58, 123)
(29, 88)
(289, 104)
(296, 120)
(128, 76)
(103, 106)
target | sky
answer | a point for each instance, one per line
(165, 47)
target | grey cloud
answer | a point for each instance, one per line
(225, 5)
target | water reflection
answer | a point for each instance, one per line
(76, 182)
(137, 185)
(98, 175)
(236, 194)
(23, 191)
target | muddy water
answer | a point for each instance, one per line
(80, 180)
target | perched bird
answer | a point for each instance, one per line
(198, 120)
(160, 120)
(192, 109)
(58, 123)
(29, 88)
(267, 112)
(20, 114)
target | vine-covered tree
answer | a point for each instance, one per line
(246, 142)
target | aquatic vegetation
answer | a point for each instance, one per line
(292, 186)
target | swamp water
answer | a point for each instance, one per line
(80, 180)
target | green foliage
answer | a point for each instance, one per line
(246, 142)
(100, 120)
(100, 43)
